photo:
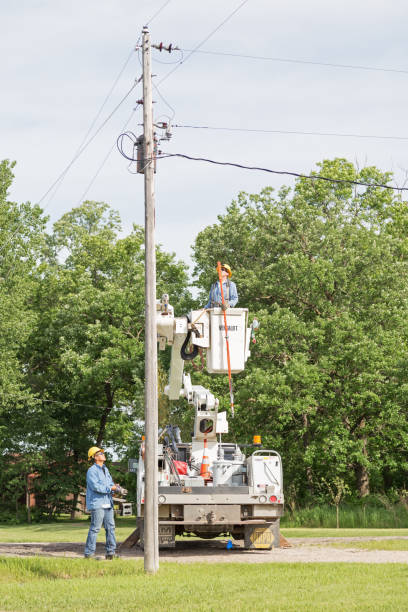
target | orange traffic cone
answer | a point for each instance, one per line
(205, 464)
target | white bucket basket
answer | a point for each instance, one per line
(238, 337)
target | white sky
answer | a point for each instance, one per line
(60, 59)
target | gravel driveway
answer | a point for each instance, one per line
(304, 550)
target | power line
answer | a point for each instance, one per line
(299, 61)
(85, 143)
(120, 145)
(88, 142)
(105, 159)
(108, 95)
(165, 101)
(268, 131)
(158, 12)
(187, 57)
(63, 173)
(200, 44)
(149, 21)
(315, 177)
(176, 61)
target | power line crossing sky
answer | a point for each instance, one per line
(65, 60)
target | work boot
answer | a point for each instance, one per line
(92, 557)
(112, 557)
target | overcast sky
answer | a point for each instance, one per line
(59, 60)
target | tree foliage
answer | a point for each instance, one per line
(324, 269)
(323, 266)
(83, 355)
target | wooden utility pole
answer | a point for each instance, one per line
(150, 536)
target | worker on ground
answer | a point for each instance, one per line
(229, 289)
(99, 502)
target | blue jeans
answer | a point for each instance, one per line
(99, 516)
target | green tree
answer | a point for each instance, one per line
(85, 357)
(324, 269)
(21, 239)
(21, 245)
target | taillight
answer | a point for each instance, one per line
(273, 498)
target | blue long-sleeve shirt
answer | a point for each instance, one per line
(230, 294)
(98, 487)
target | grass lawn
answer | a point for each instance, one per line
(76, 584)
(373, 545)
(300, 532)
(62, 530)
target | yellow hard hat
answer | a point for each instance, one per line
(93, 450)
(227, 268)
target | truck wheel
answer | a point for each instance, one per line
(238, 534)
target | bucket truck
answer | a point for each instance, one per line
(235, 494)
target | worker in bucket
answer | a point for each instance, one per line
(229, 289)
(99, 490)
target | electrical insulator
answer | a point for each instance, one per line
(163, 125)
(141, 163)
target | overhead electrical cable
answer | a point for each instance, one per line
(88, 142)
(76, 156)
(298, 61)
(294, 132)
(108, 95)
(158, 12)
(120, 143)
(149, 21)
(314, 177)
(95, 176)
(200, 44)
(165, 101)
(187, 57)
(105, 159)
(85, 143)
(170, 63)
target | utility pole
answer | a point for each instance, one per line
(151, 537)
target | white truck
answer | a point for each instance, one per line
(228, 493)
